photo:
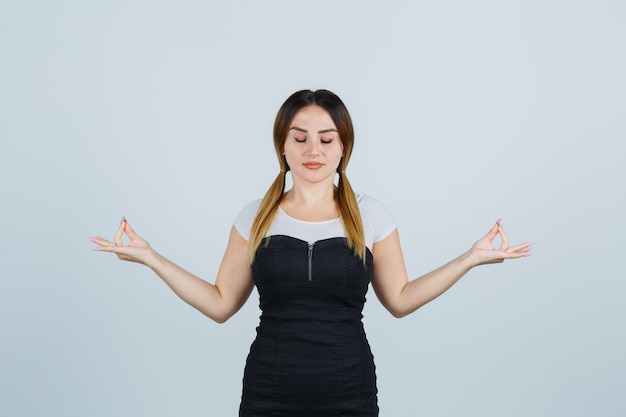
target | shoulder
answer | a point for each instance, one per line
(377, 220)
(368, 203)
(243, 221)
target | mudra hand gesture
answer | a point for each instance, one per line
(484, 252)
(138, 250)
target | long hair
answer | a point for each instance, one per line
(346, 199)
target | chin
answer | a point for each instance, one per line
(316, 178)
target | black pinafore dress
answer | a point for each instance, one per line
(310, 356)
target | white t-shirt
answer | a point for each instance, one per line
(377, 223)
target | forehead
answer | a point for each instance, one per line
(313, 116)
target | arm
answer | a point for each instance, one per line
(218, 301)
(402, 297)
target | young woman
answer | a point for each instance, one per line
(312, 252)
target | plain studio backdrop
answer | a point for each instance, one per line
(162, 112)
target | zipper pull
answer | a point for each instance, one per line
(310, 255)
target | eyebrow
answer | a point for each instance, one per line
(299, 129)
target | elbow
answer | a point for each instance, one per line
(399, 312)
(219, 312)
(220, 318)
(398, 315)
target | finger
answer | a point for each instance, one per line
(503, 237)
(112, 248)
(491, 234)
(100, 241)
(509, 254)
(514, 255)
(122, 252)
(524, 248)
(130, 232)
(120, 233)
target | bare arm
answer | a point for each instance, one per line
(402, 297)
(218, 301)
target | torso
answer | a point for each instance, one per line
(311, 356)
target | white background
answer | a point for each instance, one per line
(162, 112)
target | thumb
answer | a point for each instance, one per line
(130, 232)
(491, 235)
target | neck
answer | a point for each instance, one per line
(312, 194)
(311, 203)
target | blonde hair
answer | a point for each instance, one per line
(345, 196)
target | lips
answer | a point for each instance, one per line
(313, 165)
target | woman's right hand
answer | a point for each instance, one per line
(138, 250)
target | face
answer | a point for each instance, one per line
(313, 148)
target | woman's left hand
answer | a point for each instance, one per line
(484, 252)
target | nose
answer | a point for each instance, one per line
(313, 148)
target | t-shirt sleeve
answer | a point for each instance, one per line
(376, 217)
(243, 222)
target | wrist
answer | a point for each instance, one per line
(469, 259)
(152, 258)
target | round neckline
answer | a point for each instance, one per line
(306, 221)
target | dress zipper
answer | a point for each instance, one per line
(310, 255)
